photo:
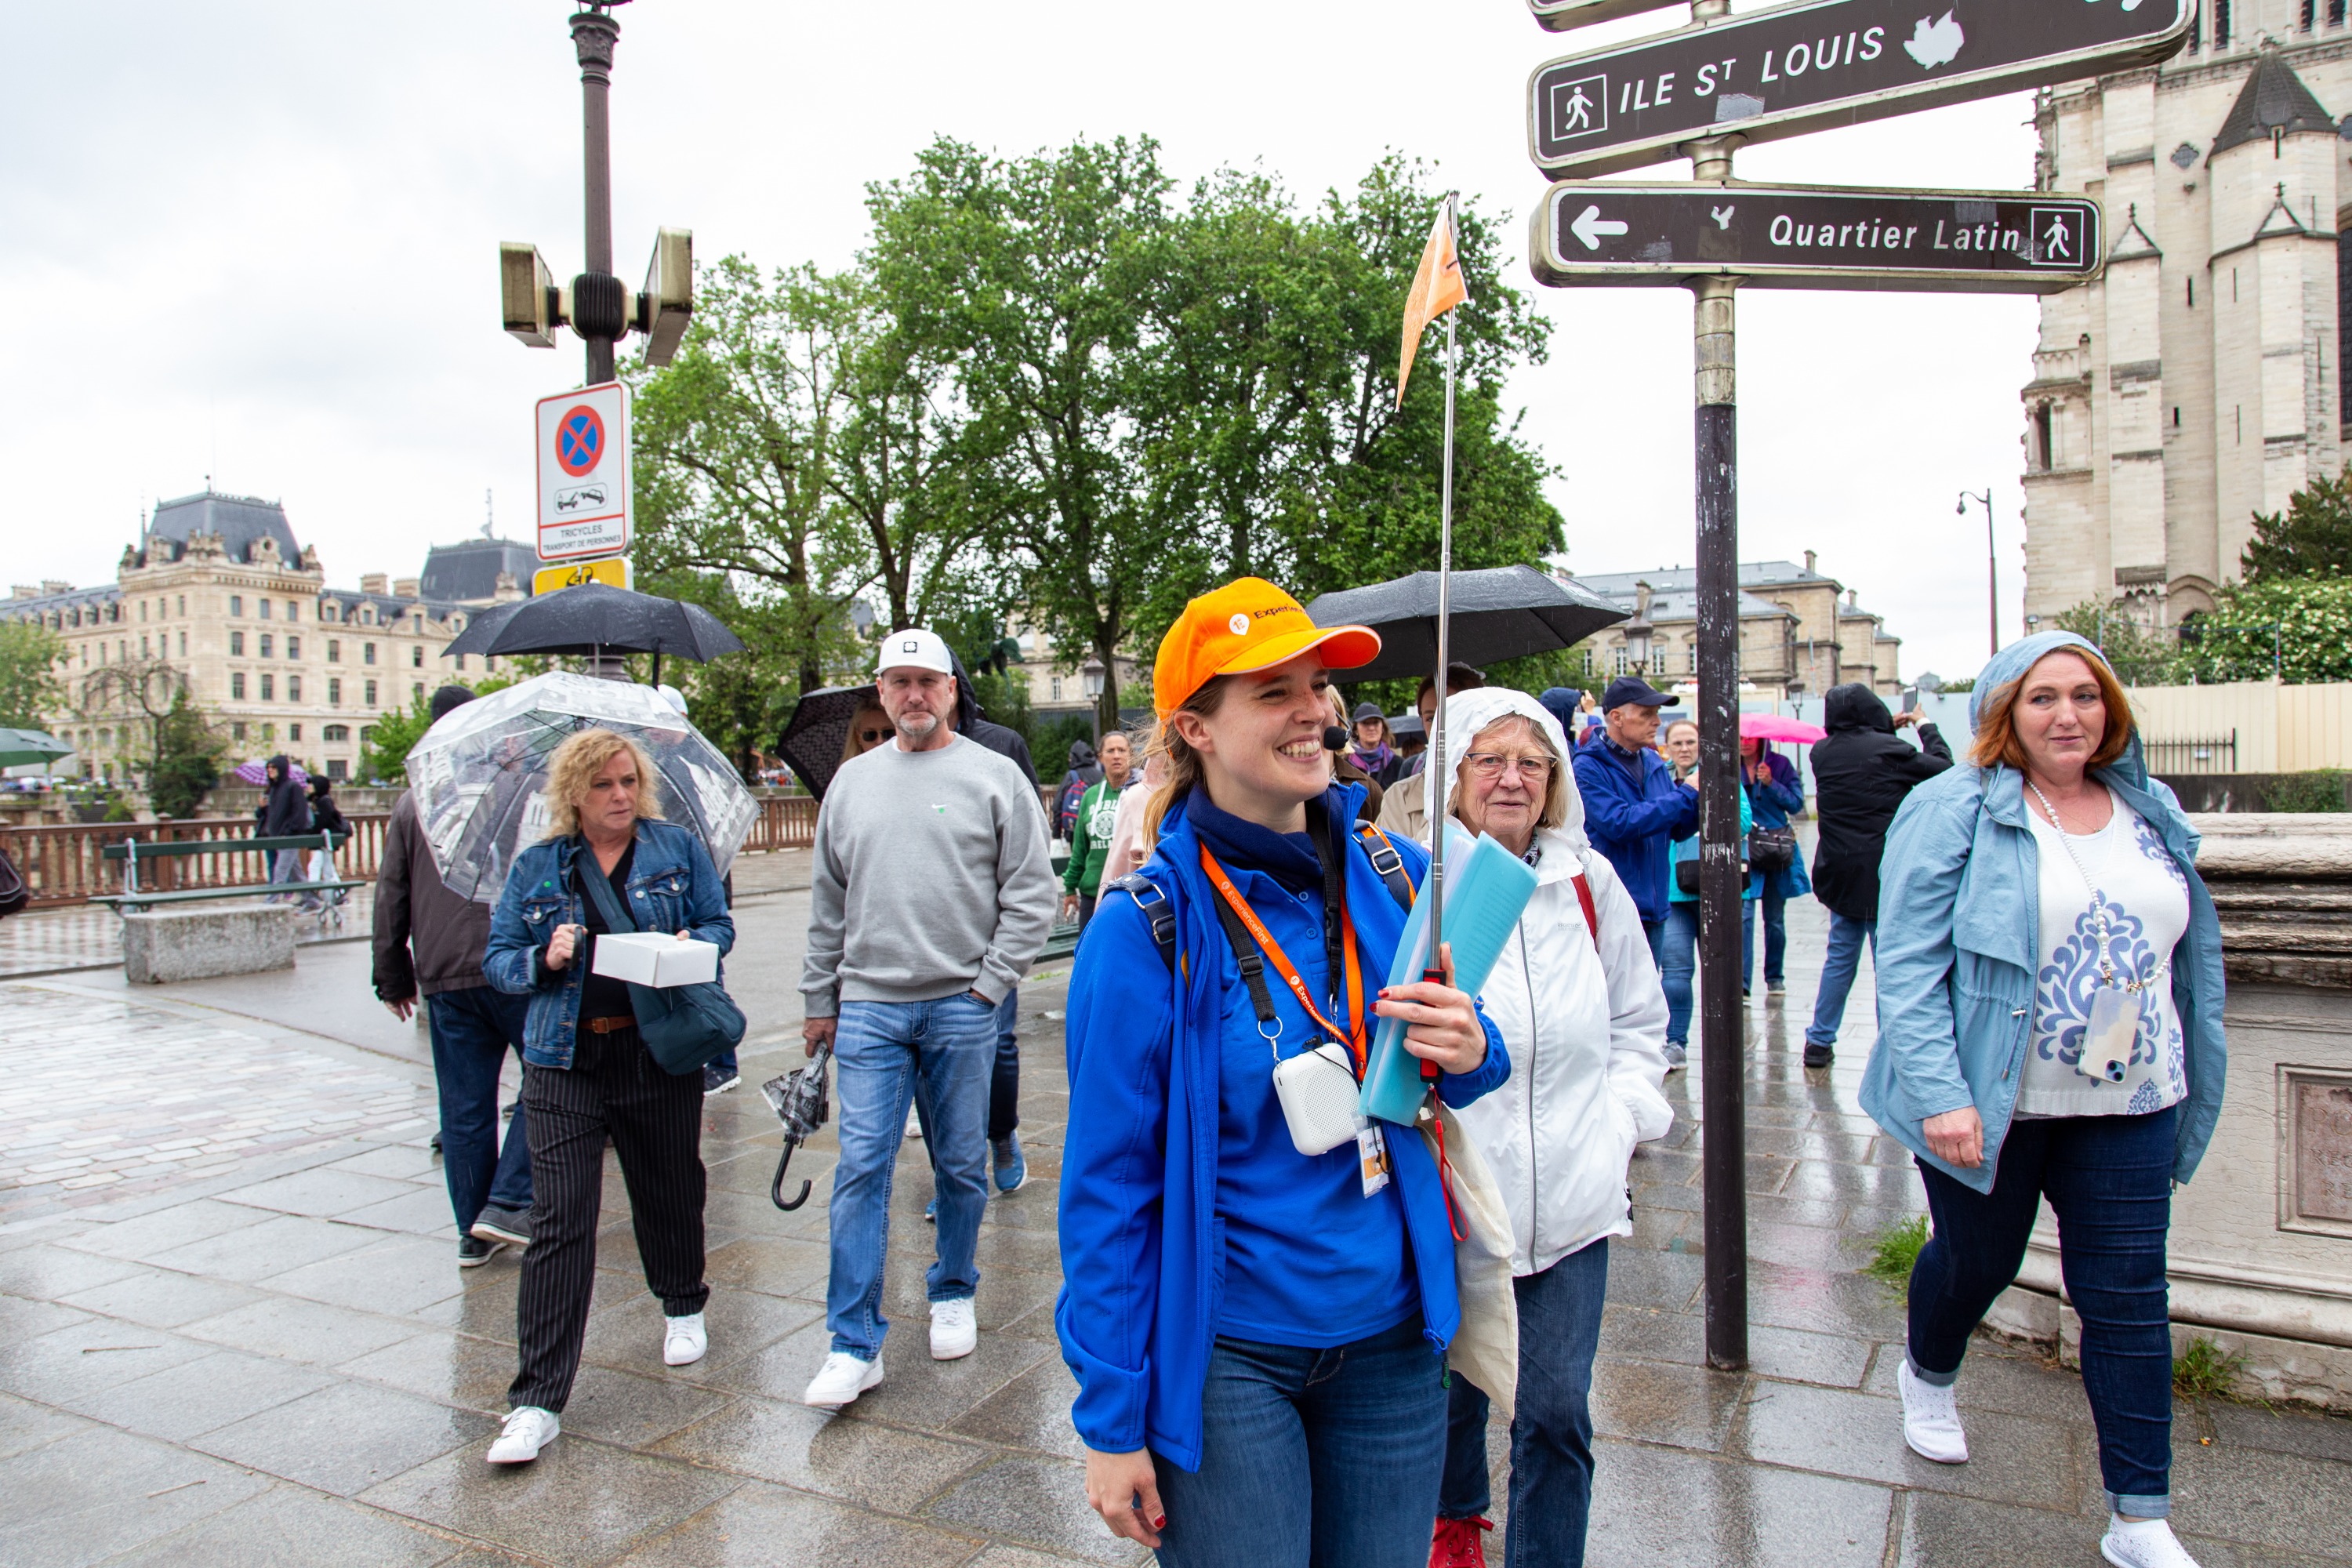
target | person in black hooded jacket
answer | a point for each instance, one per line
(1011, 1169)
(1861, 775)
(286, 811)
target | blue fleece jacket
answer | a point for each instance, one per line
(1633, 810)
(1147, 1238)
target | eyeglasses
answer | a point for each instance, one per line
(1490, 765)
(870, 736)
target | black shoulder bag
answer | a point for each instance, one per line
(686, 1028)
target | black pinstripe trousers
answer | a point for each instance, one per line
(656, 1120)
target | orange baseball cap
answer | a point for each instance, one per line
(1247, 625)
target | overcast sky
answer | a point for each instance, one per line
(258, 241)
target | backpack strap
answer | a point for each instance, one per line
(1156, 909)
(1385, 859)
(1592, 913)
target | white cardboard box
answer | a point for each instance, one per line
(656, 958)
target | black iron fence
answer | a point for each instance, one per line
(2217, 755)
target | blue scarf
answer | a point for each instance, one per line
(1288, 857)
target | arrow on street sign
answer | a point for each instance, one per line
(1590, 226)
(1614, 234)
(1807, 67)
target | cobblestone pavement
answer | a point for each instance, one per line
(262, 1351)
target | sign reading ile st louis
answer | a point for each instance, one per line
(1621, 233)
(1821, 63)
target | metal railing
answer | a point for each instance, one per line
(786, 822)
(65, 864)
(2218, 755)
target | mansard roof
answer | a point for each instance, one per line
(469, 570)
(2274, 101)
(241, 521)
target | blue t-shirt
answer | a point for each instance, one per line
(1309, 1260)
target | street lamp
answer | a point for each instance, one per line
(1090, 680)
(595, 304)
(1638, 631)
(1992, 561)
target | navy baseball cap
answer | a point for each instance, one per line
(1368, 711)
(1634, 691)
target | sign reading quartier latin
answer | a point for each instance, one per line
(1804, 236)
(1823, 63)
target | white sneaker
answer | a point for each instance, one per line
(841, 1380)
(1931, 1419)
(914, 1123)
(684, 1341)
(2145, 1543)
(954, 1332)
(528, 1430)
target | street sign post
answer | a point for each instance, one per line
(1561, 16)
(584, 473)
(1816, 64)
(612, 570)
(1620, 234)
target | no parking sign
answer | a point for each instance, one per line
(584, 473)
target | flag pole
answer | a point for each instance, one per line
(1435, 969)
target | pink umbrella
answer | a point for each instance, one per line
(1773, 727)
(257, 772)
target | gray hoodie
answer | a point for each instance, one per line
(932, 877)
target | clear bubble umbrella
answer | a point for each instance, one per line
(479, 776)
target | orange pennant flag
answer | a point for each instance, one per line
(1437, 287)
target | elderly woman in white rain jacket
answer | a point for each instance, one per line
(1576, 997)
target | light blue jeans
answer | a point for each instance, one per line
(1846, 937)
(887, 1054)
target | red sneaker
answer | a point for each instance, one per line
(1456, 1544)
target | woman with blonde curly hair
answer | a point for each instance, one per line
(590, 1074)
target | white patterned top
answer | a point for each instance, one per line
(2135, 884)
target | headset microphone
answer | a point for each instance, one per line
(1335, 738)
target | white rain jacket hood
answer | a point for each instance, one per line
(1586, 1028)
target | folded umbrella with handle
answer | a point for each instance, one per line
(798, 1100)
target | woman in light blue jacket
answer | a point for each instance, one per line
(2049, 1026)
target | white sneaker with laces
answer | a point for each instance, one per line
(684, 1341)
(2143, 1544)
(954, 1332)
(841, 1380)
(1931, 1419)
(528, 1430)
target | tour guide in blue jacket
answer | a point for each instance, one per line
(1632, 806)
(1204, 1258)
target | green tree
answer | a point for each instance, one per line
(2300, 627)
(2140, 654)
(2312, 538)
(384, 745)
(31, 688)
(188, 754)
(1033, 276)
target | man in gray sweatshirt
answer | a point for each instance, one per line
(932, 894)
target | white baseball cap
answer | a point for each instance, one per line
(914, 649)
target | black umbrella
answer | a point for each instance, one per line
(596, 619)
(1506, 612)
(818, 730)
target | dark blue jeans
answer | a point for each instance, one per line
(1311, 1458)
(1004, 1077)
(1551, 1429)
(2109, 1182)
(472, 1031)
(1776, 937)
(1846, 937)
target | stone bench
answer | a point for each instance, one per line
(163, 945)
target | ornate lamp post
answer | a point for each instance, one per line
(1090, 680)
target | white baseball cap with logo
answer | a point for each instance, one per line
(917, 648)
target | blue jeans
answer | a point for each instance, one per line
(1776, 937)
(885, 1054)
(472, 1030)
(1846, 937)
(1311, 1458)
(1005, 1076)
(1551, 1429)
(286, 866)
(2109, 1183)
(1678, 964)
(1654, 933)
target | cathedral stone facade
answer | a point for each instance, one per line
(2202, 379)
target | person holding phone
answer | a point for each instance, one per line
(2049, 996)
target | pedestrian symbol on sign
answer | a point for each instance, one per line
(579, 440)
(2057, 237)
(1579, 108)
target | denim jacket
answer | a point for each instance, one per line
(673, 887)
(1959, 944)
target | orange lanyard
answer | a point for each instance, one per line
(1354, 1038)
